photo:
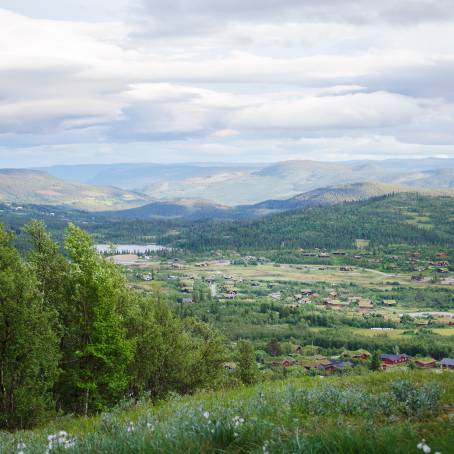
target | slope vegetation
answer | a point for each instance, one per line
(36, 187)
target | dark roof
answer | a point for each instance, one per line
(447, 362)
(393, 357)
(342, 364)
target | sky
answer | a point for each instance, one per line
(104, 81)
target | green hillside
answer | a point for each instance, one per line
(36, 187)
(407, 218)
(376, 413)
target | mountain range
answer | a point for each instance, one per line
(199, 191)
(196, 209)
(235, 184)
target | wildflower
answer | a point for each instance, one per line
(424, 446)
(130, 427)
(150, 426)
(20, 447)
(206, 414)
(237, 421)
(265, 447)
(70, 443)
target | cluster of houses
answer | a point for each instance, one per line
(340, 363)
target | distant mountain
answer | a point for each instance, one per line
(196, 209)
(345, 193)
(37, 187)
(286, 179)
(188, 209)
(235, 184)
(141, 175)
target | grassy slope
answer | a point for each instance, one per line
(316, 415)
(30, 186)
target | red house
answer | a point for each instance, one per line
(391, 360)
(287, 362)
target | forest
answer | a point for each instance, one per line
(75, 339)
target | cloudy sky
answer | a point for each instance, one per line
(224, 80)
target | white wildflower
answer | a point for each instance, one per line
(130, 427)
(70, 443)
(150, 426)
(206, 414)
(426, 449)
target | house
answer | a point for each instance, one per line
(341, 364)
(328, 367)
(353, 299)
(389, 303)
(188, 300)
(230, 366)
(391, 359)
(288, 362)
(358, 354)
(365, 305)
(335, 304)
(346, 268)
(428, 363)
(447, 363)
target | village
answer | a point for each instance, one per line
(294, 304)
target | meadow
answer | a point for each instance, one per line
(387, 412)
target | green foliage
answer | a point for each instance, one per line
(377, 414)
(375, 361)
(95, 342)
(28, 344)
(247, 366)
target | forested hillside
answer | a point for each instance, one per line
(398, 218)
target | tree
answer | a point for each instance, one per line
(247, 366)
(274, 347)
(375, 362)
(28, 344)
(96, 351)
(51, 268)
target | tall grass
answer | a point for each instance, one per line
(376, 413)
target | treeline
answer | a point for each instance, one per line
(75, 338)
(393, 219)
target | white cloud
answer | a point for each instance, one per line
(242, 76)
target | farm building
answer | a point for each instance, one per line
(392, 359)
(389, 303)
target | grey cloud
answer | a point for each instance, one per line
(351, 11)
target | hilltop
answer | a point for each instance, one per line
(37, 187)
(409, 218)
